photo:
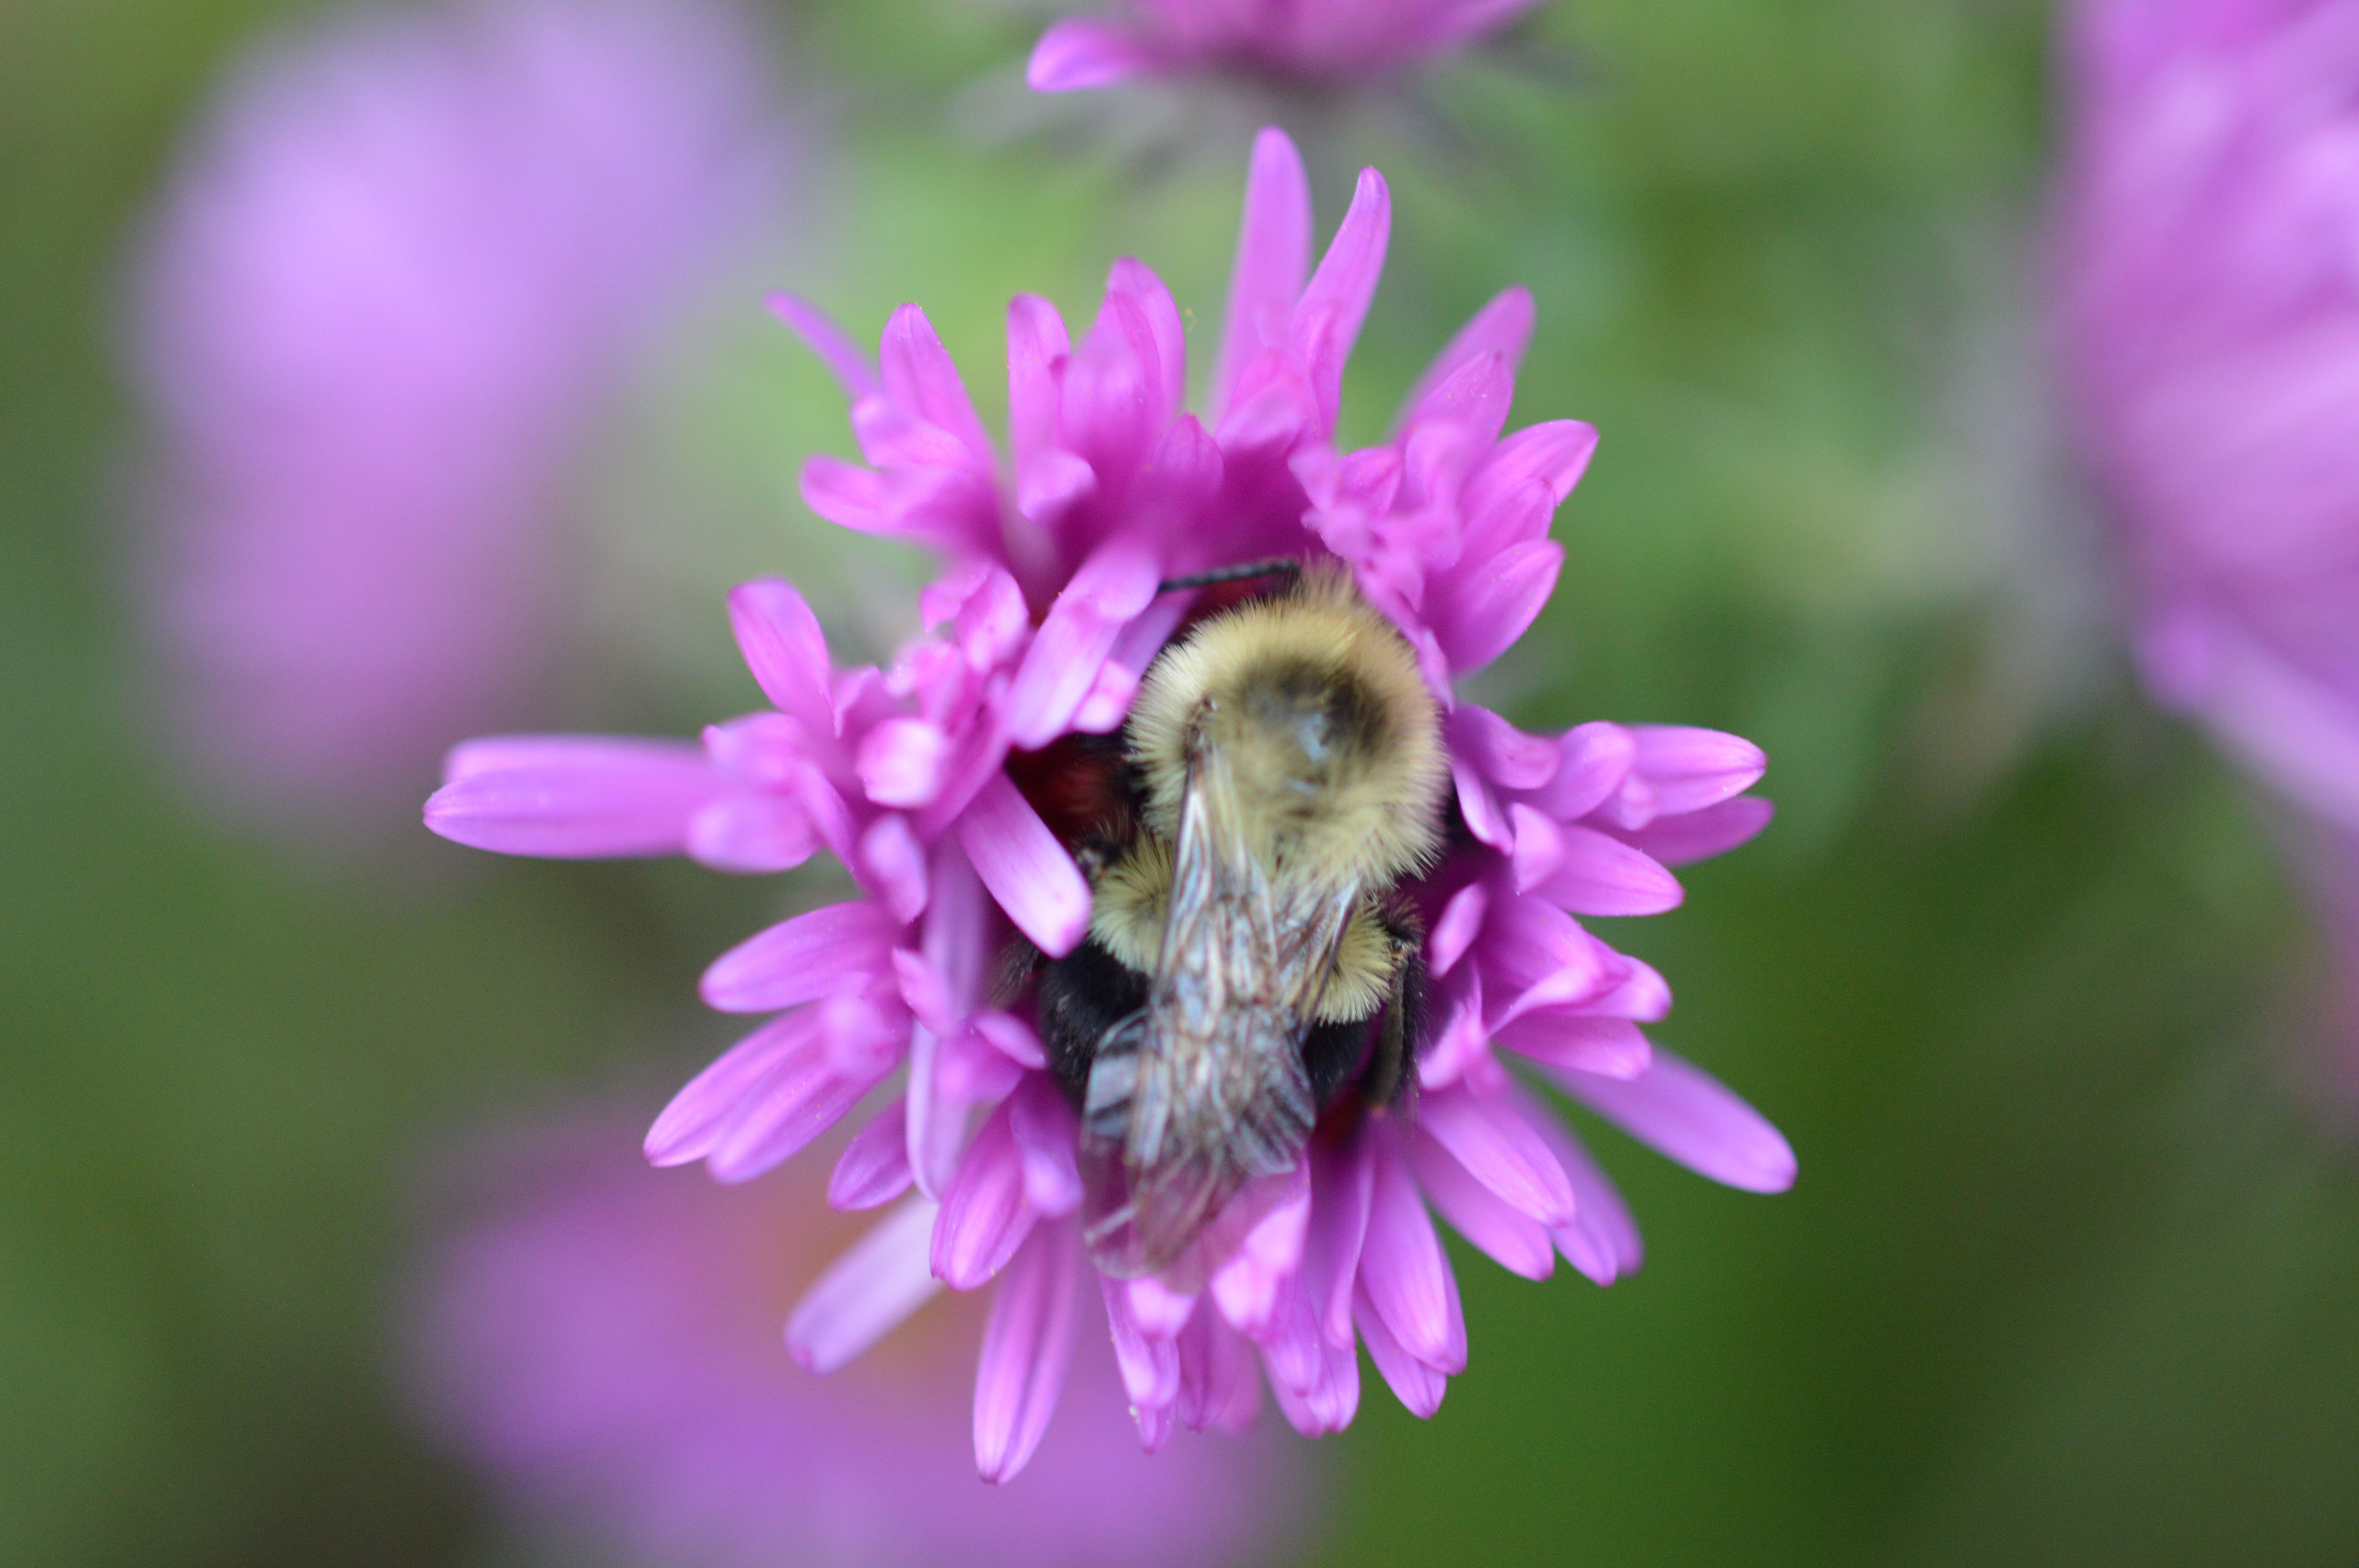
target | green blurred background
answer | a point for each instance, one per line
(2072, 1273)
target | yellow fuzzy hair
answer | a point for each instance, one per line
(1365, 817)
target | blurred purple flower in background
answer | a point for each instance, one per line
(391, 282)
(1309, 41)
(2209, 310)
(929, 781)
(2209, 315)
(603, 1343)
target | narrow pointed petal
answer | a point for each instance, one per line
(1112, 587)
(1028, 1345)
(1045, 1132)
(692, 1123)
(1406, 1276)
(786, 650)
(1505, 754)
(1700, 835)
(1454, 931)
(1220, 1382)
(1603, 1241)
(803, 1095)
(1149, 1363)
(1593, 760)
(1078, 54)
(573, 796)
(1417, 1386)
(983, 1217)
(920, 374)
(1484, 609)
(1272, 259)
(751, 835)
(894, 865)
(802, 959)
(1679, 1110)
(1489, 1135)
(1692, 769)
(1340, 292)
(1600, 875)
(1610, 1047)
(834, 346)
(1030, 874)
(1504, 327)
(1511, 1239)
(874, 1168)
(865, 1294)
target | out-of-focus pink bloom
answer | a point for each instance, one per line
(1301, 40)
(2209, 310)
(604, 1342)
(917, 778)
(393, 278)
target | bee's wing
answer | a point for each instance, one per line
(1206, 1089)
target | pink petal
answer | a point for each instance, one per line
(1329, 1400)
(1540, 846)
(800, 959)
(1337, 298)
(751, 834)
(1554, 455)
(1407, 1277)
(1272, 258)
(1505, 754)
(1603, 1241)
(1604, 876)
(920, 376)
(1513, 1239)
(1692, 769)
(1479, 805)
(901, 761)
(874, 1168)
(1012, 1038)
(692, 1123)
(1137, 282)
(895, 864)
(1490, 1136)
(866, 1293)
(1593, 761)
(984, 1216)
(1027, 1346)
(1504, 328)
(1417, 1386)
(1149, 1363)
(1611, 1047)
(801, 1097)
(836, 350)
(1160, 1310)
(1111, 588)
(1046, 1134)
(1038, 346)
(1460, 922)
(1030, 874)
(1701, 834)
(1344, 1181)
(1536, 955)
(1076, 54)
(573, 797)
(1679, 1110)
(786, 650)
(1247, 1286)
(1219, 1386)
(1481, 612)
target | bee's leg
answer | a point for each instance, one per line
(1401, 1028)
(1085, 995)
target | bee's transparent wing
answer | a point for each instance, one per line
(1206, 1089)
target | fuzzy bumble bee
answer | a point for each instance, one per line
(1250, 957)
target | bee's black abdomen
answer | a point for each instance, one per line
(1082, 995)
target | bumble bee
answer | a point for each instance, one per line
(1250, 955)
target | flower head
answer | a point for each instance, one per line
(1317, 41)
(938, 782)
(379, 303)
(605, 1348)
(2209, 310)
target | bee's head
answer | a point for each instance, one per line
(1307, 714)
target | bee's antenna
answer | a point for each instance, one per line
(1286, 568)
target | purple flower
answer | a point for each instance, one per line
(603, 1344)
(391, 280)
(928, 781)
(1300, 40)
(2209, 310)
